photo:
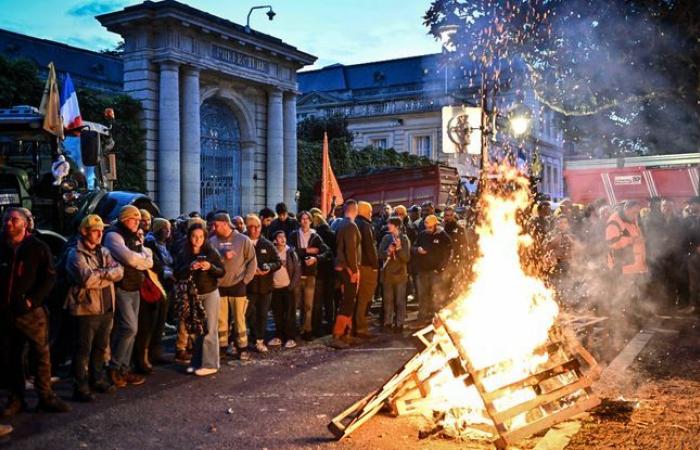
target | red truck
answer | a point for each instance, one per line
(405, 186)
(635, 178)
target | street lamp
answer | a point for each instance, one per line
(270, 15)
(519, 120)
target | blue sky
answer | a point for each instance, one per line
(336, 31)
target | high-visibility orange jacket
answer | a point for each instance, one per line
(626, 251)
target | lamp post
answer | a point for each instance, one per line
(270, 15)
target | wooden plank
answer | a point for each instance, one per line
(542, 399)
(513, 436)
(559, 436)
(533, 380)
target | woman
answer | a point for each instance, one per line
(284, 281)
(201, 265)
(395, 252)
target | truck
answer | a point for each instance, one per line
(60, 181)
(634, 178)
(408, 186)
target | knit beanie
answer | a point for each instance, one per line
(364, 209)
(129, 212)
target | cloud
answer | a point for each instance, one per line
(95, 8)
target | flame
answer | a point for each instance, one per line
(506, 313)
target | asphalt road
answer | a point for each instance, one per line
(284, 399)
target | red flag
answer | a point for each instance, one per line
(330, 190)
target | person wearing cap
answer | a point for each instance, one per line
(91, 299)
(369, 269)
(426, 209)
(431, 253)
(283, 221)
(259, 290)
(240, 265)
(125, 245)
(27, 276)
(148, 346)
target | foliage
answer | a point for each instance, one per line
(19, 83)
(345, 161)
(311, 129)
(127, 132)
(624, 74)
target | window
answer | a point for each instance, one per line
(378, 143)
(422, 146)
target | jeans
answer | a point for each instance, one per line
(149, 315)
(324, 304)
(206, 348)
(126, 322)
(284, 311)
(31, 328)
(427, 283)
(305, 299)
(260, 304)
(368, 284)
(91, 346)
(237, 306)
(394, 303)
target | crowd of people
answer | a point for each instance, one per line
(214, 280)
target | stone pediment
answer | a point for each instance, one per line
(318, 98)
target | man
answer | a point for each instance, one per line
(311, 251)
(239, 224)
(146, 220)
(348, 253)
(369, 267)
(26, 276)
(427, 209)
(127, 248)
(240, 264)
(380, 220)
(266, 217)
(260, 288)
(457, 269)
(431, 252)
(283, 221)
(90, 300)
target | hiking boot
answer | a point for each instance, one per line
(245, 355)
(339, 344)
(260, 346)
(307, 336)
(274, 342)
(291, 343)
(132, 378)
(5, 429)
(104, 387)
(83, 396)
(52, 404)
(182, 356)
(13, 407)
(117, 378)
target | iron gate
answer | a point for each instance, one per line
(220, 158)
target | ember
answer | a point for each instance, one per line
(496, 363)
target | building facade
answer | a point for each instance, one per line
(399, 104)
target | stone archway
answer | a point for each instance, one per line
(220, 158)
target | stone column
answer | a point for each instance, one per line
(169, 140)
(190, 175)
(275, 148)
(290, 150)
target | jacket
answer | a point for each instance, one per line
(325, 267)
(26, 273)
(92, 274)
(293, 266)
(626, 249)
(348, 245)
(439, 247)
(240, 269)
(369, 257)
(315, 241)
(162, 259)
(205, 280)
(289, 226)
(395, 268)
(265, 253)
(128, 250)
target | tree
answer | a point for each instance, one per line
(311, 129)
(19, 83)
(623, 74)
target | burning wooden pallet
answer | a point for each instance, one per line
(441, 379)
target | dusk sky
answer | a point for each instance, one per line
(338, 31)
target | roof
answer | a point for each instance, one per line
(149, 9)
(97, 69)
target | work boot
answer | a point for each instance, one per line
(117, 378)
(5, 429)
(181, 356)
(143, 368)
(52, 404)
(132, 378)
(14, 406)
(83, 396)
(104, 387)
(338, 344)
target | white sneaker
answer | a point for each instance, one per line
(190, 370)
(231, 350)
(203, 371)
(260, 346)
(275, 342)
(291, 343)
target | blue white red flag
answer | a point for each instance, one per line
(70, 111)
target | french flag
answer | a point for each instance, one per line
(70, 110)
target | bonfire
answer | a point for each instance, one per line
(497, 364)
